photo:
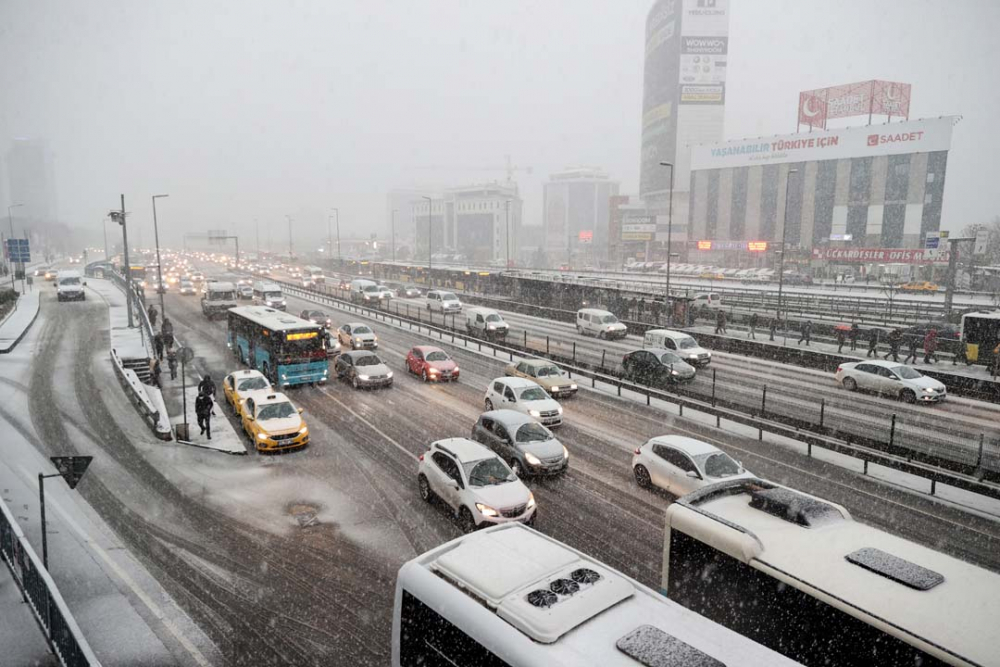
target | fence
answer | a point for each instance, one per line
(971, 466)
(40, 592)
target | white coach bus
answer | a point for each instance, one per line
(798, 574)
(512, 597)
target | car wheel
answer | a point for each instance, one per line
(642, 476)
(425, 489)
(489, 405)
(466, 521)
(908, 395)
(579, 330)
(354, 381)
(850, 384)
(601, 335)
(515, 466)
(423, 375)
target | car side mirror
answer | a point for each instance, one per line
(250, 418)
(300, 411)
(693, 474)
(453, 483)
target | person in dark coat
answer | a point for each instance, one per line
(172, 363)
(753, 326)
(152, 316)
(720, 323)
(841, 339)
(806, 332)
(895, 338)
(207, 385)
(154, 372)
(960, 354)
(930, 346)
(158, 345)
(203, 409)
(853, 335)
(167, 329)
(873, 336)
(772, 327)
(912, 346)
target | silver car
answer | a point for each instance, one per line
(890, 378)
(363, 369)
(528, 447)
(681, 465)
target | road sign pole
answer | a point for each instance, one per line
(41, 504)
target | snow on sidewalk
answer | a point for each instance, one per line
(224, 436)
(129, 342)
(16, 324)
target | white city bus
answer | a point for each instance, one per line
(798, 574)
(510, 596)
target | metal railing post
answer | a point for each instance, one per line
(892, 430)
(713, 387)
(822, 411)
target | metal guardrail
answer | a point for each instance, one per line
(968, 477)
(40, 592)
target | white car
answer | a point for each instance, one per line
(357, 336)
(444, 302)
(523, 395)
(890, 378)
(187, 288)
(475, 483)
(681, 465)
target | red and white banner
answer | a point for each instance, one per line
(879, 255)
(865, 98)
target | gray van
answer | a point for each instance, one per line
(528, 447)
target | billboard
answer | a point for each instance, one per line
(864, 98)
(711, 244)
(912, 136)
(884, 255)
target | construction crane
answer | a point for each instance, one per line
(509, 168)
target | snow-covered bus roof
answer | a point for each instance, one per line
(489, 584)
(817, 547)
(272, 319)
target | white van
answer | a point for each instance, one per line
(444, 302)
(600, 323)
(485, 322)
(219, 297)
(685, 346)
(706, 300)
(69, 286)
(268, 294)
(364, 291)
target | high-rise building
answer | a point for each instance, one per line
(576, 215)
(684, 94)
(31, 179)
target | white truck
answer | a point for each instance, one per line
(365, 291)
(218, 298)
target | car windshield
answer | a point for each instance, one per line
(70, 281)
(276, 411)
(907, 373)
(220, 296)
(533, 394)
(493, 318)
(609, 319)
(368, 360)
(687, 343)
(717, 464)
(370, 288)
(448, 296)
(272, 296)
(669, 358)
(318, 315)
(488, 472)
(548, 371)
(362, 329)
(437, 355)
(533, 432)
(253, 383)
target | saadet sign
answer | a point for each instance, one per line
(913, 136)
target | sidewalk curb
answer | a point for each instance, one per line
(195, 444)
(17, 340)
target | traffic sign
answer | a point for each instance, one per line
(982, 242)
(18, 250)
(186, 355)
(71, 467)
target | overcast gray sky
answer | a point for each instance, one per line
(245, 110)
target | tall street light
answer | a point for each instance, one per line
(336, 217)
(506, 206)
(119, 217)
(394, 235)
(670, 233)
(784, 231)
(104, 224)
(159, 265)
(10, 219)
(430, 233)
(289, 238)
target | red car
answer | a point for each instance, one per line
(431, 363)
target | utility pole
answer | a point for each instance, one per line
(393, 235)
(506, 206)
(430, 233)
(104, 224)
(159, 269)
(256, 224)
(119, 217)
(289, 237)
(670, 231)
(10, 219)
(784, 231)
(949, 293)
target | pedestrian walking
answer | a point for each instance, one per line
(806, 333)
(152, 316)
(873, 336)
(772, 327)
(960, 354)
(158, 345)
(642, 308)
(154, 372)
(753, 326)
(655, 308)
(895, 338)
(841, 339)
(167, 329)
(853, 335)
(203, 409)
(207, 385)
(930, 346)
(720, 323)
(912, 347)
(172, 363)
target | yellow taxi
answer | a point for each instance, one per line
(240, 384)
(919, 286)
(711, 275)
(272, 423)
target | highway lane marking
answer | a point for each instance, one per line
(123, 575)
(370, 425)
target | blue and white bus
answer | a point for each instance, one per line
(286, 349)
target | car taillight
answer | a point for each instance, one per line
(637, 452)
(840, 368)
(421, 457)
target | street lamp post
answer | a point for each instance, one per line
(430, 233)
(10, 219)
(159, 266)
(104, 224)
(336, 216)
(119, 217)
(289, 238)
(393, 235)
(784, 232)
(670, 233)
(506, 206)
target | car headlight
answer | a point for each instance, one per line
(573, 386)
(303, 430)
(362, 377)
(559, 409)
(456, 369)
(389, 374)
(674, 373)
(432, 371)
(491, 326)
(262, 436)
(375, 338)
(531, 500)
(565, 453)
(357, 340)
(692, 356)
(929, 390)
(534, 413)
(486, 510)
(556, 388)
(532, 459)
